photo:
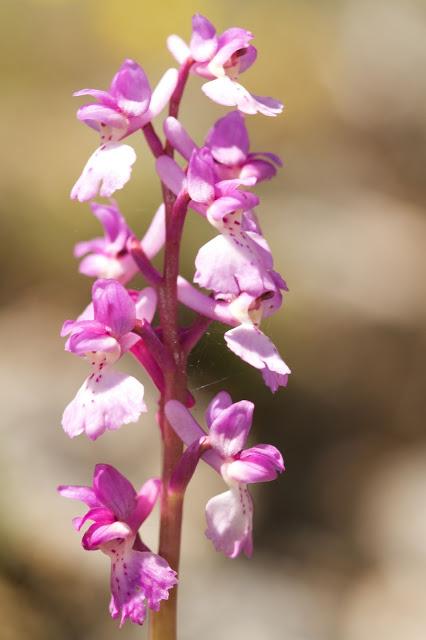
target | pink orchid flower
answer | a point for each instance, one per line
(139, 578)
(107, 399)
(228, 142)
(108, 257)
(229, 515)
(223, 58)
(128, 106)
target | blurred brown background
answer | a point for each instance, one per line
(340, 539)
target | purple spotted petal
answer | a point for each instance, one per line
(104, 401)
(107, 170)
(230, 428)
(232, 264)
(138, 580)
(229, 518)
(95, 115)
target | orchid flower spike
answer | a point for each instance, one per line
(107, 399)
(221, 59)
(230, 514)
(127, 106)
(139, 578)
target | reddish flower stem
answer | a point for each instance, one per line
(163, 625)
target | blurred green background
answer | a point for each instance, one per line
(340, 539)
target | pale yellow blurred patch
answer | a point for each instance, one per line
(142, 26)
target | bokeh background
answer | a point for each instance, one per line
(340, 539)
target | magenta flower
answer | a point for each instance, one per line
(108, 257)
(139, 578)
(211, 197)
(222, 58)
(107, 399)
(228, 142)
(230, 514)
(128, 106)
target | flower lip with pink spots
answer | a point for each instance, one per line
(107, 399)
(139, 578)
(229, 515)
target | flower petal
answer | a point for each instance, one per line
(261, 463)
(113, 307)
(229, 93)
(130, 87)
(170, 173)
(154, 238)
(182, 422)
(98, 535)
(201, 176)
(163, 91)
(107, 170)
(114, 491)
(138, 579)
(97, 115)
(99, 515)
(233, 263)
(178, 48)
(221, 401)
(203, 43)
(231, 41)
(178, 137)
(228, 139)
(259, 169)
(189, 430)
(145, 501)
(104, 401)
(82, 493)
(252, 346)
(146, 304)
(230, 521)
(230, 428)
